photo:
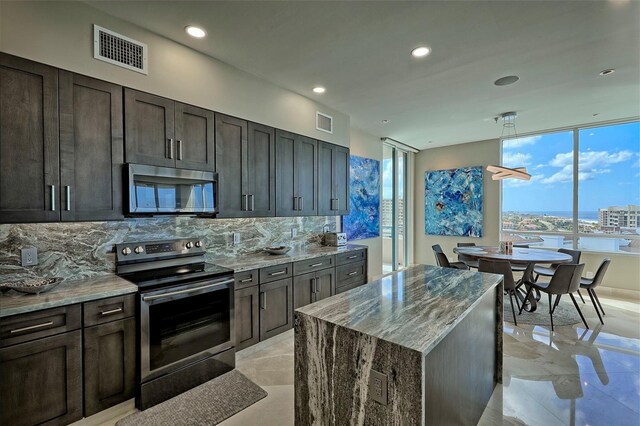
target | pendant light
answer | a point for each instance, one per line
(501, 172)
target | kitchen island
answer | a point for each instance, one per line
(434, 335)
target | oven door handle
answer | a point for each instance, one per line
(185, 291)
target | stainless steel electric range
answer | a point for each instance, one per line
(185, 306)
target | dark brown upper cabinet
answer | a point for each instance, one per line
(246, 167)
(91, 148)
(296, 174)
(333, 179)
(162, 132)
(29, 148)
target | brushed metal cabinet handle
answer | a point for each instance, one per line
(246, 280)
(317, 285)
(53, 198)
(111, 311)
(352, 273)
(263, 300)
(337, 203)
(301, 204)
(171, 148)
(243, 207)
(315, 264)
(252, 202)
(313, 285)
(353, 257)
(273, 274)
(295, 203)
(68, 196)
(179, 142)
(31, 327)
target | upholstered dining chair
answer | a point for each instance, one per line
(565, 280)
(469, 261)
(443, 261)
(502, 267)
(590, 285)
(547, 271)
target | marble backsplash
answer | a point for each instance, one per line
(86, 249)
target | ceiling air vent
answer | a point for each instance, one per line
(324, 122)
(119, 50)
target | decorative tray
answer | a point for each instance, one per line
(277, 250)
(35, 285)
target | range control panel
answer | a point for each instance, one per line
(149, 250)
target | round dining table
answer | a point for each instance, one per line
(519, 256)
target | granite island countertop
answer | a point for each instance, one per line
(414, 308)
(250, 261)
(68, 292)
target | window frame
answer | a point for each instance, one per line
(574, 235)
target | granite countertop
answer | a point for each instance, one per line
(415, 308)
(66, 293)
(250, 261)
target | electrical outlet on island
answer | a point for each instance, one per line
(236, 238)
(294, 232)
(29, 256)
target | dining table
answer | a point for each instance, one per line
(517, 256)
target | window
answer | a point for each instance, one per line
(394, 179)
(605, 188)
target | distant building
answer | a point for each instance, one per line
(387, 216)
(613, 218)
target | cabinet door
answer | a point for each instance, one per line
(246, 317)
(231, 143)
(29, 159)
(41, 381)
(286, 198)
(194, 138)
(325, 284)
(303, 290)
(91, 148)
(109, 364)
(306, 164)
(326, 195)
(276, 307)
(261, 166)
(341, 180)
(149, 125)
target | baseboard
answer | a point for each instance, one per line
(620, 293)
(109, 416)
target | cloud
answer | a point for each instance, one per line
(517, 143)
(518, 183)
(516, 159)
(539, 166)
(591, 164)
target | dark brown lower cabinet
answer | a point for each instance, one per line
(246, 316)
(109, 364)
(41, 381)
(276, 307)
(312, 287)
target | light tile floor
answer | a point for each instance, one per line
(572, 376)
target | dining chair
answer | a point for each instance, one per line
(502, 267)
(590, 285)
(565, 280)
(467, 260)
(547, 271)
(443, 261)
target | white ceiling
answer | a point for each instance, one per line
(360, 52)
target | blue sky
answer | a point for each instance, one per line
(609, 169)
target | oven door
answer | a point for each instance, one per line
(183, 324)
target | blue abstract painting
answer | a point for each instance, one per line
(363, 220)
(453, 202)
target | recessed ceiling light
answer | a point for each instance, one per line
(420, 52)
(430, 142)
(385, 121)
(607, 71)
(319, 89)
(195, 31)
(596, 114)
(505, 81)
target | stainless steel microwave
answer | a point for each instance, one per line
(164, 190)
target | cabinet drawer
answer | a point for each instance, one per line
(111, 309)
(350, 273)
(273, 273)
(349, 286)
(35, 325)
(246, 279)
(350, 257)
(312, 265)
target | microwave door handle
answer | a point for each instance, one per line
(185, 291)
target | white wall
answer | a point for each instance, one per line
(366, 145)
(61, 34)
(623, 273)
